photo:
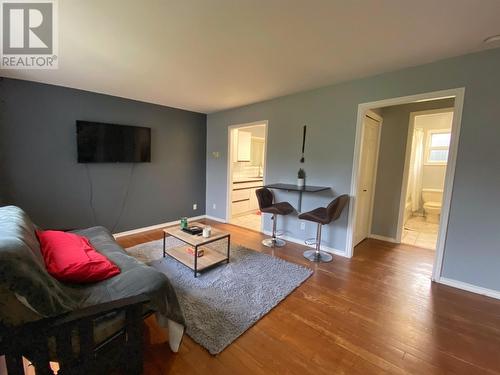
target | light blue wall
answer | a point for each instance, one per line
(472, 252)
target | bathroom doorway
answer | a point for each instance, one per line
(429, 135)
(246, 171)
(392, 178)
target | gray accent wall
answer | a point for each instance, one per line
(391, 162)
(472, 250)
(40, 173)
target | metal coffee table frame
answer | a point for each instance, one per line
(227, 235)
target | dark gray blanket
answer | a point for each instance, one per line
(28, 292)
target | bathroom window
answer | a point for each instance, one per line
(438, 144)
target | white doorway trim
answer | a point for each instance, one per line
(458, 95)
(406, 171)
(230, 164)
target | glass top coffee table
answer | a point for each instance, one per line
(211, 256)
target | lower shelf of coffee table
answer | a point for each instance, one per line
(209, 258)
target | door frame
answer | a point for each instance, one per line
(380, 120)
(230, 164)
(406, 170)
(458, 94)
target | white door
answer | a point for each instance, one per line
(367, 173)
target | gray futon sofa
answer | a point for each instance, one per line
(28, 293)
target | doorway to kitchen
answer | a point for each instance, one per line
(246, 173)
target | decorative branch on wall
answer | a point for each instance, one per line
(303, 143)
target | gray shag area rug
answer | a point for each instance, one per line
(222, 303)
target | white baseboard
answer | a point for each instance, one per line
(469, 287)
(216, 219)
(301, 242)
(383, 238)
(156, 226)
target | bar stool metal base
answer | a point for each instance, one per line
(273, 242)
(315, 256)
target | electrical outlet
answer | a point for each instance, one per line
(195, 206)
(214, 206)
(302, 225)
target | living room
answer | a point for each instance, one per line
(116, 155)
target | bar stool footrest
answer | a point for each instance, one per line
(273, 242)
(311, 241)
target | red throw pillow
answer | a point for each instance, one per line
(71, 258)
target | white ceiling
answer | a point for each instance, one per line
(208, 55)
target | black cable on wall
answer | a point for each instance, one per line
(123, 203)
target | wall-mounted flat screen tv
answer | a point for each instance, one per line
(108, 143)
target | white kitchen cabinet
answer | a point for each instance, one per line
(257, 152)
(243, 197)
(254, 203)
(244, 145)
(240, 207)
(239, 195)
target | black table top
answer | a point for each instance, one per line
(292, 187)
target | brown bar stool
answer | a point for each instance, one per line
(266, 198)
(323, 216)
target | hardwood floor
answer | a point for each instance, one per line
(376, 313)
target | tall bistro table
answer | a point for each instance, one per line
(298, 189)
(210, 258)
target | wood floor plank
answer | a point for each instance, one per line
(376, 313)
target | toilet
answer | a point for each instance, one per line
(432, 199)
